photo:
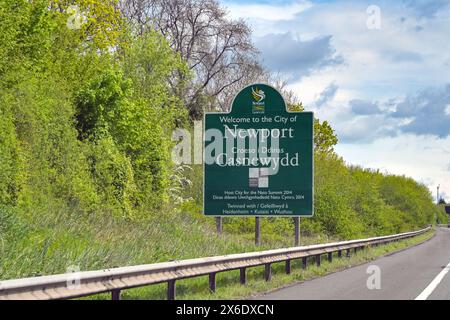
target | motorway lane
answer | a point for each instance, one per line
(442, 291)
(404, 276)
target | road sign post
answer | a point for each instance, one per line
(257, 231)
(258, 159)
(219, 225)
(297, 231)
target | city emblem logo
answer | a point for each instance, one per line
(259, 96)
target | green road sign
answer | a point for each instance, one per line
(258, 159)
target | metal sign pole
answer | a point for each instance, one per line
(297, 231)
(219, 225)
(257, 231)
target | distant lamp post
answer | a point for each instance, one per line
(437, 196)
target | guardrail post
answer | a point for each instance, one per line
(212, 282)
(267, 272)
(348, 253)
(171, 290)
(288, 266)
(304, 262)
(242, 275)
(330, 256)
(318, 260)
(115, 294)
(355, 250)
(340, 254)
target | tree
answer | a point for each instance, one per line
(129, 113)
(86, 114)
(218, 50)
(98, 22)
(324, 136)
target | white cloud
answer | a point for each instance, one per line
(424, 158)
(267, 12)
(380, 64)
(294, 57)
(407, 56)
(393, 61)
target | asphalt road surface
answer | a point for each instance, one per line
(421, 273)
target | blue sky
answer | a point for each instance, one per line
(384, 84)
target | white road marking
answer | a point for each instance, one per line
(429, 290)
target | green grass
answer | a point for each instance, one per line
(44, 244)
(48, 244)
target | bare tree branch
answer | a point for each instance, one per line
(219, 51)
